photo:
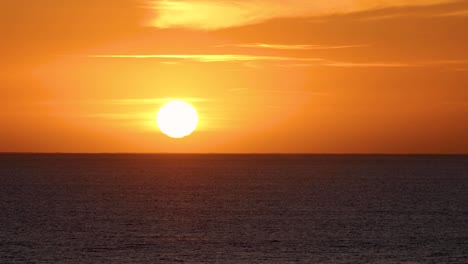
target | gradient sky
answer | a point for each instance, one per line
(340, 76)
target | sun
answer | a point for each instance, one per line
(177, 119)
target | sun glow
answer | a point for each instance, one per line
(177, 119)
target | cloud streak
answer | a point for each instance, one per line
(292, 46)
(126, 101)
(218, 14)
(461, 13)
(197, 57)
(280, 61)
(284, 61)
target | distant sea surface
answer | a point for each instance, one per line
(233, 209)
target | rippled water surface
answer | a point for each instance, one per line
(233, 209)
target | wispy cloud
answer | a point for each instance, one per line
(460, 13)
(292, 46)
(416, 14)
(210, 15)
(280, 92)
(125, 102)
(151, 101)
(369, 64)
(432, 63)
(118, 116)
(197, 57)
(283, 61)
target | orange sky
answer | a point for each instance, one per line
(340, 76)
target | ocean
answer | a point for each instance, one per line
(125, 208)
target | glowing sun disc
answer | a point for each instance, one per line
(177, 119)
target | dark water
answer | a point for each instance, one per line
(233, 209)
